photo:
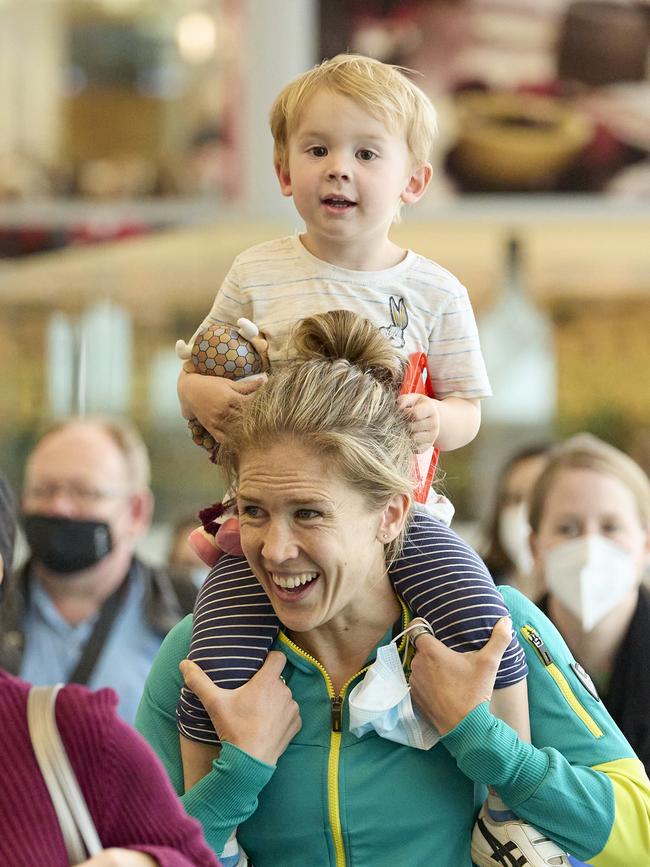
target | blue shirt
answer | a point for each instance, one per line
(53, 646)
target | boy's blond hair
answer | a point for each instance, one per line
(384, 91)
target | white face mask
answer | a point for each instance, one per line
(589, 576)
(382, 702)
(514, 531)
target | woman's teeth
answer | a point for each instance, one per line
(290, 582)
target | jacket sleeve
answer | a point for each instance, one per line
(228, 795)
(579, 781)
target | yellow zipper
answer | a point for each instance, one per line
(534, 639)
(335, 737)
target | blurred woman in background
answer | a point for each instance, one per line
(506, 550)
(590, 520)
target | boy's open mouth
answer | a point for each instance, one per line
(338, 202)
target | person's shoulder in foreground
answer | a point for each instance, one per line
(127, 791)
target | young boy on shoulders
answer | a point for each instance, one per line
(352, 139)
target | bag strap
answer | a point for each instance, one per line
(75, 821)
(95, 644)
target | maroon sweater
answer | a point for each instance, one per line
(127, 791)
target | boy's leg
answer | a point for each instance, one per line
(197, 760)
(511, 705)
(233, 629)
(444, 581)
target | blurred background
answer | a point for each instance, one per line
(135, 163)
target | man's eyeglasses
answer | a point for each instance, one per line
(82, 496)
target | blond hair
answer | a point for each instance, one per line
(339, 399)
(587, 452)
(384, 91)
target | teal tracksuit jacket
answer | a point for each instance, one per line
(334, 800)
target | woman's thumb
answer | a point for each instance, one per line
(501, 635)
(198, 682)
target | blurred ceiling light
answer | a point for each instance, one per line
(196, 36)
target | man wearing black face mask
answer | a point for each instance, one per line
(85, 609)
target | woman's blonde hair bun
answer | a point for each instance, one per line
(341, 334)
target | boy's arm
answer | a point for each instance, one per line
(447, 424)
(210, 399)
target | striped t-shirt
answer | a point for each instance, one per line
(418, 305)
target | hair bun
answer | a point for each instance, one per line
(344, 335)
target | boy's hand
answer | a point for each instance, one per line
(423, 414)
(211, 399)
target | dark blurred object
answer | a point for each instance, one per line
(621, 117)
(511, 142)
(603, 42)
(17, 241)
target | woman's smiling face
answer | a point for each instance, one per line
(309, 536)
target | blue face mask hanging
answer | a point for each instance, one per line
(382, 701)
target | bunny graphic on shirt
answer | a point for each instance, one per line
(400, 319)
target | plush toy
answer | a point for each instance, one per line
(234, 353)
(221, 350)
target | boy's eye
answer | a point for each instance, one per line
(318, 151)
(366, 155)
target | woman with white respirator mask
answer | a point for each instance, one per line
(590, 520)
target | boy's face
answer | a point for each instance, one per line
(347, 173)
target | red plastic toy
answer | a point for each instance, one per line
(417, 380)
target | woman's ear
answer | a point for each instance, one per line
(417, 184)
(285, 180)
(393, 518)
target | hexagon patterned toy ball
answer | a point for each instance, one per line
(222, 350)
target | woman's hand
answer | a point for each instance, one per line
(120, 858)
(211, 399)
(447, 685)
(260, 717)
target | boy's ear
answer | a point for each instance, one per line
(284, 178)
(417, 184)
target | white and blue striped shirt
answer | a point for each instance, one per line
(417, 304)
